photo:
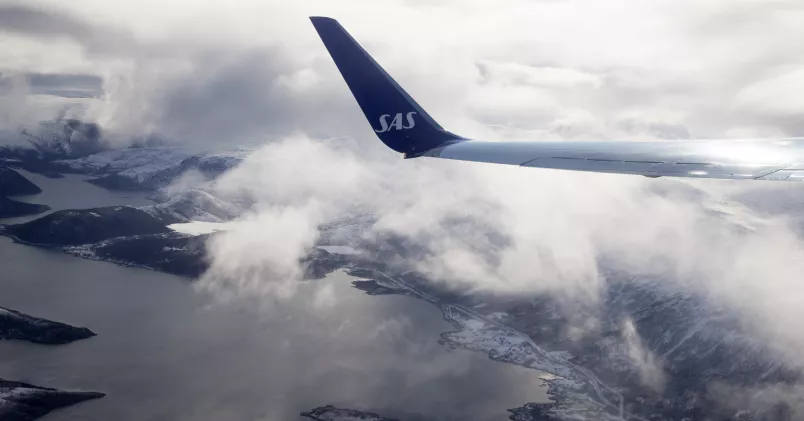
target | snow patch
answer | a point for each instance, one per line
(201, 227)
(346, 250)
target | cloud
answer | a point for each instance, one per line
(257, 71)
(62, 85)
(780, 402)
(769, 97)
(261, 255)
(646, 362)
(38, 22)
(50, 24)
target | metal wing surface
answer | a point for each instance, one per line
(776, 159)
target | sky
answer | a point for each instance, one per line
(221, 74)
(206, 71)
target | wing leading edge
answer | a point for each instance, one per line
(778, 159)
(405, 127)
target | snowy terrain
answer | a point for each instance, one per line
(150, 168)
(331, 413)
(195, 206)
(19, 326)
(25, 402)
(134, 162)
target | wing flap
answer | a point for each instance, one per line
(789, 175)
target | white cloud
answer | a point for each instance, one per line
(171, 71)
(647, 363)
(772, 95)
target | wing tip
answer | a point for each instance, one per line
(322, 19)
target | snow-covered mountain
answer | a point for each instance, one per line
(75, 146)
(194, 205)
(149, 168)
(58, 138)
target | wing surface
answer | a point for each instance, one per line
(404, 126)
(774, 159)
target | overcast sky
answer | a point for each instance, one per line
(216, 74)
(209, 71)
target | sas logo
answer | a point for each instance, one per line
(396, 123)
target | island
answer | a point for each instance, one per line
(13, 183)
(16, 325)
(172, 252)
(10, 208)
(75, 227)
(25, 402)
(331, 413)
(137, 237)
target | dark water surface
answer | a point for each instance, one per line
(72, 192)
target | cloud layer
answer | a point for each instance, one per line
(570, 69)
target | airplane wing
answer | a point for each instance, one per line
(405, 127)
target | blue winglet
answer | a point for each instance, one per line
(396, 118)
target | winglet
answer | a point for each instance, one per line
(397, 119)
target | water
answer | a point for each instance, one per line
(72, 192)
(167, 351)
